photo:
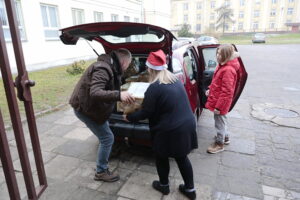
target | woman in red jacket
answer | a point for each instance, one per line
(220, 93)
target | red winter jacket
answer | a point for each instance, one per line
(222, 87)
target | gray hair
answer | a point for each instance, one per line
(123, 54)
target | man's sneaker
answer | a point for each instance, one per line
(161, 188)
(226, 140)
(189, 194)
(106, 176)
(215, 148)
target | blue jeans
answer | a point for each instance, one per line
(105, 136)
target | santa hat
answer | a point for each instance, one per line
(157, 60)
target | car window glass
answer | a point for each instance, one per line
(133, 38)
(210, 58)
(177, 70)
(190, 63)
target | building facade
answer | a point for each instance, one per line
(40, 20)
(157, 12)
(248, 16)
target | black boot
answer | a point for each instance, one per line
(190, 195)
(162, 188)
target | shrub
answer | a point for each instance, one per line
(76, 68)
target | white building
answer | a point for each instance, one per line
(40, 21)
(157, 12)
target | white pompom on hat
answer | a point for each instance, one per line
(157, 60)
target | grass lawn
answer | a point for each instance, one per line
(290, 38)
(53, 87)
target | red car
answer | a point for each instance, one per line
(193, 64)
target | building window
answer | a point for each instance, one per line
(212, 26)
(126, 19)
(273, 12)
(256, 13)
(227, 3)
(185, 18)
(274, 1)
(199, 5)
(242, 2)
(198, 16)
(272, 25)
(290, 11)
(212, 16)
(114, 17)
(241, 14)
(136, 19)
(78, 16)
(212, 4)
(255, 25)
(98, 16)
(291, 1)
(4, 20)
(240, 26)
(257, 1)
(185, 6)
(198, 27)
(50, 21)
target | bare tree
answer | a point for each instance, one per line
(225, 15)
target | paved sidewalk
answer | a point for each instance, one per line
(261, 162)
(258, 164)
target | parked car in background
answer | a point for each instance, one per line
(259, 38)
(192, 63)
(190, 39)
(203, 40)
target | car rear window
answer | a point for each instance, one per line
(133, 38)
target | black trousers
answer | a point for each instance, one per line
(185, 168)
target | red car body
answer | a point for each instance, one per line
(194, 64)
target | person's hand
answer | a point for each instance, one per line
(125, 118)
(126, 97)
(216, 111)
(207, 92)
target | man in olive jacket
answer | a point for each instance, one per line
(94, 98)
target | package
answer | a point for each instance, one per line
(137, 90)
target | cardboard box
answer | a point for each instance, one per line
(137, 90)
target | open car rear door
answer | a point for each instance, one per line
(208, 63)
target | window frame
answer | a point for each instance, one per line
(75, 11)
(290, 11)
(20, 21)
(116, 16)
(50, 27)
(199, 5)
(273, 12)
(185, 6)
(96, 16)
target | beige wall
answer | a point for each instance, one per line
(264, 20)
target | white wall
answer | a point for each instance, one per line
(158, 12)
(41, 53)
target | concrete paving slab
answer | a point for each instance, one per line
(47, 156)
(48, 143)
(67, 120)
(241, 146)
(83, 176)
(77, 149)
(238, 160)
(61, 166)
(58, 130)
(58, 189)
(88, 194)
(79, 134)
(139, 186)
(203, 192)
(113, 188)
